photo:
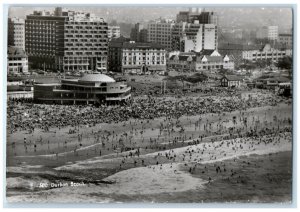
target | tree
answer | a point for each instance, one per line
(285, 63)
(261, 63)
(248, 65)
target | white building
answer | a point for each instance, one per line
(194, 37)
(269, 32)
(266, 53)
(211, 60)
(135, 57)
(206, 60)
(17, 60)
(113, 32)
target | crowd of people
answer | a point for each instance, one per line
(28, 116)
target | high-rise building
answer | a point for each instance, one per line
(143, 37)
(16, 32)
(193, 30)
(268, 32)
(187, 37)
(160, 32)
(196, 14)
(113, 32)
(134, 34)
(66, 40)
(138, 33)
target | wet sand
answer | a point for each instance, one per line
(172, 166)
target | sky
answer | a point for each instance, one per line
(228, 16)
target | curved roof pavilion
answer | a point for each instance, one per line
(96, 78)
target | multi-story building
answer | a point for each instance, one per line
(193, 31)
(89, 89)
(196, 14)
(66, 41)
(269, 32)
(139, 33)
(160, 31)
(16, 32)
(206, 60)
(17, 60)
(135, 32)
(286, 39)
(113, 32)
(182, 62)
(188, 37)
(132, 57)
(266, 53)
(143, 36)
(236, 50)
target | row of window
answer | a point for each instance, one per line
(90, 40)
(141, 63)
(17, 64)
(86, 32)
(69, 23)
(85, 49)
(86, 36)
(86, 53)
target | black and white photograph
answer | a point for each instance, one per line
(149, 104)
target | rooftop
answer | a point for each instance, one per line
(16, 52)
(96, 78)
(134, 45)
(232, 77)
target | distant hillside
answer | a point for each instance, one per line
(247, 17)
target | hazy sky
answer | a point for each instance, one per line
(228, 16)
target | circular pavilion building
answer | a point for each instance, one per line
(89, 89)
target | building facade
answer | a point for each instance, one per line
(89, 89)
(236, 50)
(196, 14)
(266, 53)
(135, 32)
(269, 32)
(132, 57)
(206, 60)
(66, 41)
(113, 32)
(16, 33)
(17, 60)
(231, 81)
(187, 37)
(182, 62)
(160, 32)
(286, 39)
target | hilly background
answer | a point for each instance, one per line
(126, 16)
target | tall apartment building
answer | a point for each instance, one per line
(139, 33)
(196, 14)
(66, 41)
(160, 32)
(113, 32)
(132, 57)
(187, 37)
(269, 32)
(16, 32)
(193, 30)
